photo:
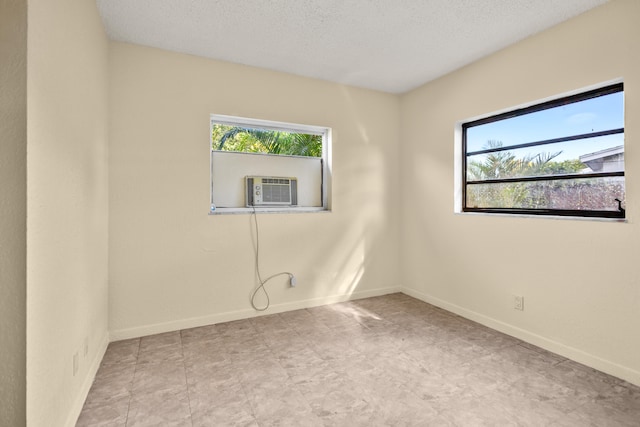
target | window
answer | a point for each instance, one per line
(268, 166)
(563, 157)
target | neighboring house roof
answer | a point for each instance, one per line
(605, 160)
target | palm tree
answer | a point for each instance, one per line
(504, 164)
(228, 138)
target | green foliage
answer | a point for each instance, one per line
(248, 140)
(565, 167)
(500, 164)
(504, 164)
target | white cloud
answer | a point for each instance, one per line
(581, 118)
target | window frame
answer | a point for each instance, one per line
(564, 100)
(323, 131)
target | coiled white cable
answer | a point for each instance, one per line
(257, 267)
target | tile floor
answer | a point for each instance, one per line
(384, 361)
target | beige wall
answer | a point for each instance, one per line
(172, 265)
(13, 210)
(580, 279)
(67, 206)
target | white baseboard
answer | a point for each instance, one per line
(76, 409)
(228, 316)
(572, 353)
(569, 352)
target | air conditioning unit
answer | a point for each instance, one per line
(271, 191)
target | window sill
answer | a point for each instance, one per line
(269, 210)
(553, 217)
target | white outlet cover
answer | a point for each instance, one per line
(518, 302)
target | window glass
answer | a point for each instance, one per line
(549, 159)
(563, 157)
(267, 141)
(585, 194)
(592, 115)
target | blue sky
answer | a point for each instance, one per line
(592, 115)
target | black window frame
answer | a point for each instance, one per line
(606, 90)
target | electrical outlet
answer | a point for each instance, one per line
(76, 363)
(292, 281)
(518, 302)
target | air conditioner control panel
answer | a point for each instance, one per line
(257, 194)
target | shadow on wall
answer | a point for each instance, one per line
(456, 259)
(360, 206)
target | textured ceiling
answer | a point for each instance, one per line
(387, 45)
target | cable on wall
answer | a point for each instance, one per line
(292, 279)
